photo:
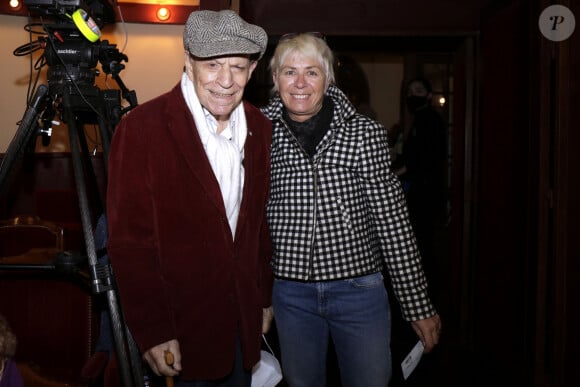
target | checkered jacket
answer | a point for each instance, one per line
(342, 213)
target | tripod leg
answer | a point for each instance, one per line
(105, 132)
(114, 310)
(23, 135)
(98, 200)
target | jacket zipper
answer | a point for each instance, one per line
(315, 205)
(314, 215)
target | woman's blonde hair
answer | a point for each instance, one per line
(308, 44)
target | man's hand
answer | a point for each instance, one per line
(155, 357)
(428, 330)
(267, 316)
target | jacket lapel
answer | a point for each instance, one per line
(181, 128)
(252, 156)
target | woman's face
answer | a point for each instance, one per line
(301, 82)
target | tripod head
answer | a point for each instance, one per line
(72, 58)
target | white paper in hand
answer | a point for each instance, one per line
(412, 359)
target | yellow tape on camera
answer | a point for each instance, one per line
(86, 25)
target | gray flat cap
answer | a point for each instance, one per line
(209, 33)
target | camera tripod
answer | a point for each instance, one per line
(79, 104)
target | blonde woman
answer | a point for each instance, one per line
(337, 217)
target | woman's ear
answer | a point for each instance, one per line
(275, 80)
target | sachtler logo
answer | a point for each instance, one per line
(557, 23)
(67, 51)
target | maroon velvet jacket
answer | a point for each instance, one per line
(180, 273)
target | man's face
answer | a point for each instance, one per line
(418, 97)
(418, 89)
(219, 82)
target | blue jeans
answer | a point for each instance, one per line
(354, 313)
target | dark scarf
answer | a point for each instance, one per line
(310, 132)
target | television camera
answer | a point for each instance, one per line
(72, 50)
(101, 11)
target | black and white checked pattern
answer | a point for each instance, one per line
(342, 214)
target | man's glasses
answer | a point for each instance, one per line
(292, 35)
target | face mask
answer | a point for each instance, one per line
(414, 102)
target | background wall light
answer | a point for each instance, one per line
(15, 4)
(146, 11)
(163, 13)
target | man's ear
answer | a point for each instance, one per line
(187, 60)
(253, 65)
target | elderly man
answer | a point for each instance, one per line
(188, 183)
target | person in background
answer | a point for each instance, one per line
(422, 171)
(337, 217)
(9, 374)
(395, 138)
(188, 239)
(352, 81)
